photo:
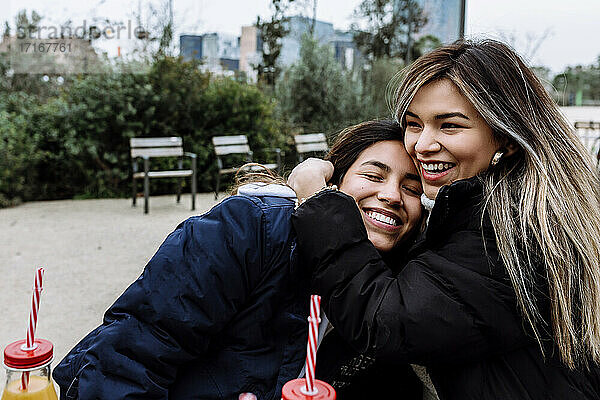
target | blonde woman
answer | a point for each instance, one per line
(500, 298)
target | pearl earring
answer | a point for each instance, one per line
(497, 156)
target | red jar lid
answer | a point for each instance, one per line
(16, 357)
(293, 391)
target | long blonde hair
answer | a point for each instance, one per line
(544, 201)
(254, 173)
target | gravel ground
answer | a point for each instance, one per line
(91, 251)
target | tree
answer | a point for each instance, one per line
(155, 30)
(424, 45)
(527, 46)
(271, 32)
(73, 142)
(378, 84)
(390, 24)
(166, 28)
(314, 93)
(579, 85)
(26, 26)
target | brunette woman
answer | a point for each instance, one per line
(220, 310)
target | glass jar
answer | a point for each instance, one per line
(28, 372)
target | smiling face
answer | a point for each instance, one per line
(384, 182)
(446, 137)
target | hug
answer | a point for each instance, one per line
(457, 255)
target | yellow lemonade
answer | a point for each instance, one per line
(39, 389)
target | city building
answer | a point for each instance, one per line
(345, 50)
(445, 19)
(298, 26)
(341, 42)
(250, 51)
(219, 52)
(190, 47)
(223, 53)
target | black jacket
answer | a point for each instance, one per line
(451, 307)
(355, 376)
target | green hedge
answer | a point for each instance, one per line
(76, 144)
(15, 155)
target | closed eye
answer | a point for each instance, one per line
(373, 177)
(412, 190)
(451, 125)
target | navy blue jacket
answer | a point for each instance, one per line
(219, 310)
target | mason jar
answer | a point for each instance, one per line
(28, 371)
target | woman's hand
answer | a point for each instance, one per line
(309, 176)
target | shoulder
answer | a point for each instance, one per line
(237, 220)
(460, 232)
(465, 264)
(269, 208)
(256, 202)
(471, 250)
(242, 207)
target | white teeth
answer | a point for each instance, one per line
(382, 218)
(439, 167)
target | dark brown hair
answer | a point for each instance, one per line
(355, 139)
(346, 148)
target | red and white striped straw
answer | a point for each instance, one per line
(311, 348)
(24, 380)
(33, 317)
(35, 306)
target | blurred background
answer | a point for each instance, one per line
(80, 79)
(267, 69)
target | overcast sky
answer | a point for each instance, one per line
(567, 31)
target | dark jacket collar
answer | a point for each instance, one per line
(458, 206)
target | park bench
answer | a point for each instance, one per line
(310, 143)
(147, 148)
(226, 146)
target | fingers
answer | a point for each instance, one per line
(309, 176)
(247, 396)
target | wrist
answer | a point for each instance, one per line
(325, 188)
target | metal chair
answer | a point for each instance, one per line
(147, 148)
(310, 143)
(237, 144)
